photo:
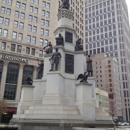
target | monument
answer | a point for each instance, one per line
(58, 101)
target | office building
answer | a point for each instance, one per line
(107, 31)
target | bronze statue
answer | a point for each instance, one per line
(89, 66)
(40, 69)
(55, 60)
(79, 45)
(28, 81)
(59, 40)
(65, 4)
(49, 49)
(84, 77)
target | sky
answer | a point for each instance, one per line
(128, 3)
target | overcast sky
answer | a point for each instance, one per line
(128, 3)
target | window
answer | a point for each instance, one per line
(9, 2)
(35, 19)
(5, 33)
(32, 1)
(36, 10)
(6, 21)
(34, 29)
(15, 24)
(22, 15)
(0, 31)
(2, 10)
(21, 25)
(42, 31)
(30, 18)
(20, 36)
(14, 36)
(1, 20)
(43, 4)
(16, 14)
(8, 11)
(31, 8)
(40, 53)
(29, 28)
(43, 12)
(27, 50)
(1, 69)
(18, 4)
(23, 6)
(36, 2)
(3, 45)
(47, 32)
(48, 5)
(47, 23)
(33, 52)
(41, 42)
(42, 21)
(47, 14)
(19, 48)
(4, 1)
(28, 38)
(12, 47)
(33, 40)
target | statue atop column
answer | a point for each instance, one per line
(55, 60)
(89, 66)
(49, 49)
(40, 69)
(79, 45)
(64, 5)
(59, 40)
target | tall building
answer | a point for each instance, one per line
(106, 74)
(107, 30)
(26, 26)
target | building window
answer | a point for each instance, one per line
(23, 6)
(47, 32)
(43, 12)
(42, 31)
(15, 24)
(1, 20)
(8, 11)
(43, 4)
(0, 31)
(41, 53)
(28, 38)
(12, 47)
(47, 23)
(20, 36)
(36, 2)
(9, 2)
(30, 18)
(42, 22)
(32, 1)
(4, 1)
(2, 10)
(27, 72)
(6, 21)
(14, 36)
(34, 40)
(41, 41)
(3, 45)
(29, 28)
(5, 33)
(1, 69)
(35, 19)
(18, 4)
(21, 25)
(34, 29)
(19, 48)
(47, 14)
(16, 14)
(36, 10)
(33, 52)
(22, 15)
(48, 6)
(11, 81)
(27, 50)
(31, 8)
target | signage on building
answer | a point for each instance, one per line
(13, 58)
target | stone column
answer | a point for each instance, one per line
(3, 78)
(19, 84)
(35, 72)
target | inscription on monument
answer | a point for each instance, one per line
(69, 37)
(69, 63)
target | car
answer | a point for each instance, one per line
(124, 123)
